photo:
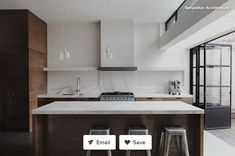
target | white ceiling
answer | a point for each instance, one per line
(52, 11)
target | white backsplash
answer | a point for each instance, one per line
(108, 81)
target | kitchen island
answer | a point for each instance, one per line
(59, 127)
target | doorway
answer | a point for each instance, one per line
(211, 81)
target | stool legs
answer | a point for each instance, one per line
(138, 132)
(128, 153)
(167, 145)
(181, 139)
(99, 132)
(109, 153)
(88, 153)
(185, 144)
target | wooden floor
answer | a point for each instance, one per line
(15, 144)
(227, 135)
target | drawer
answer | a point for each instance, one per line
(149, 99)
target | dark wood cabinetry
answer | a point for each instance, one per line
(23, 54)
(45, 101)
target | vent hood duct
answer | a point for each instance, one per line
(118, 36)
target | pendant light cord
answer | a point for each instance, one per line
(63, 25)
(62, 36)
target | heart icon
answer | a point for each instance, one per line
(127, 141)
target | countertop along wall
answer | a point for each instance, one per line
(83, 42)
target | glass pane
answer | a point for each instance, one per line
(202, 57)
(194, 60)
(212, 56)
(226, 56)
(212, 96)
(194, 76)
(226, 76)
(194, 94)
(201, 76)
(225, 98)
(201, 95)
(213, 76)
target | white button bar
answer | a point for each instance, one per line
(99, 142)
(135, 142)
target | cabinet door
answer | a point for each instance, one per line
(14, 91)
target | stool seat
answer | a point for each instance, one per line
(138, 132)
(175, 130)
(100, 131)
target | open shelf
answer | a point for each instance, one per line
(71, 69)
(160, 69)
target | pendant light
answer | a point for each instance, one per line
(107, 52)
(64, 54)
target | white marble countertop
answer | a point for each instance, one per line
(50, 95)
(135, 107)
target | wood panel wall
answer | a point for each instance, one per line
(37, 56)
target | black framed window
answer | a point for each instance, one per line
(211, 82)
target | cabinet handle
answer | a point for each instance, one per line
(178, 98)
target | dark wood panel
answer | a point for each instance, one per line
(13, 29)
(45, 101)
(65, 132)
(37, 33)
(14, 88)
(37, 79)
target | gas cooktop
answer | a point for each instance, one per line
(117, 96)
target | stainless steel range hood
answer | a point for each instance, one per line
(118, 36)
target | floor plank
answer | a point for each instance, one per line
(214, 146)
(227, 135)
(15, 144)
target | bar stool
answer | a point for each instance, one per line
(165, 141)
(138, 131)
(99, 131)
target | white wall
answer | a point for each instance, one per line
(83, 41)
(147, 54)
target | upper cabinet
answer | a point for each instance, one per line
(117, 43)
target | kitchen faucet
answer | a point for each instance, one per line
(78, 89)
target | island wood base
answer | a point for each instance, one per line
(62, 135)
